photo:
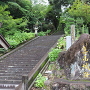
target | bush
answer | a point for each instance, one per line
(40, 81)
(9, 24)
(2, 50)
(12, 42)
(18, 38)
(47, 32)
(61, 43)
(53, 55)
(44, 33)
(41, 33)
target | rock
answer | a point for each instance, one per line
(47, 82)
(76, 60)
(55, 86)
(77, 87)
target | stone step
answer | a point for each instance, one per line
(10, 81)
(10, 78)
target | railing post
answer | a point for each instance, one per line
(25, 81)
(72, 34)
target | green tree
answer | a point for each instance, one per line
(22, 9)
(80, 9)
(40, 11)
(28, 12)
(10, 25)
(56, 11)
(85, 1)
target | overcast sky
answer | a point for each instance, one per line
(46, 2)
(41, 1)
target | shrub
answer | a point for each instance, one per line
(40, 81)
(47, 32)
(12, 42)
(41, 33)
(44, 33)
(2, 50)
(18, 38)
(9, 24)
(61, 43)
(53, 55)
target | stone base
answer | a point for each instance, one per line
(63, 84)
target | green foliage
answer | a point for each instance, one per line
(44, 33)
(18, 38)
(80, 27)
(78, 22)
(10, 25)
(79, 12)
(41, 33)
(40, 81)
(68, 22)
(53, 55)
(48, 31)
(40, 11)
(2, 3)
(56, 10)
(26, 4)
(22, 7)
(25, 10)
(15, 7)
(80, 9)
(2, 50)
(85, 29)
(12, 42)
(61, 43)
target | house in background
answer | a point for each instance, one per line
(3, 43)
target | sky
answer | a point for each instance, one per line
(45, 2)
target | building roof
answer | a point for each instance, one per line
(3, 43)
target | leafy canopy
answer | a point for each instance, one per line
(80, 9)
(10, 25)
(56, 10)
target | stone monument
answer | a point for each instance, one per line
(76, 65)
(76, 60)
